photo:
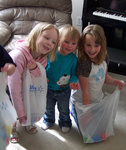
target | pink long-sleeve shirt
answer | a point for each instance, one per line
(21, 56)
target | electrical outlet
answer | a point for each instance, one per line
(79, 21)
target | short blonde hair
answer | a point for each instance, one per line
(68, 31)
(98, 33)
(36, 33)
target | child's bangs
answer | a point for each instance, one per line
(71, 36)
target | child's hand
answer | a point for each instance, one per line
(119, 83)
(32, 65)
(74, 86)
(8, 68)
(22, 119)
(5, 68)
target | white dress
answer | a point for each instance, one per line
(96, 119)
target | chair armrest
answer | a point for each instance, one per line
(5, 33)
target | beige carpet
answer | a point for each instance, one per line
(54, 139)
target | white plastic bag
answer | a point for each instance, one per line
(96, 120)
(34, 96)
(8, 115)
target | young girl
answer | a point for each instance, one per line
(92, 68)
(41, 41)
(62, 77)
(7, 111)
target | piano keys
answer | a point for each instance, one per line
(109, 15)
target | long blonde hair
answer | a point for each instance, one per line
(36, 33)
(98, 33)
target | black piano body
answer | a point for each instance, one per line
(111, 15)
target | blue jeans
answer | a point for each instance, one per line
(74, 114)
(61, 97)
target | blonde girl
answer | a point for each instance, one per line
(62, 78)
(41, 42)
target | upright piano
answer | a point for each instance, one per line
(111, 15)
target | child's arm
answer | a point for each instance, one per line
(109, 80)
(5, 57)
(84, 87)
(9, 68)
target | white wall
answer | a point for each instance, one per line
(77, 7)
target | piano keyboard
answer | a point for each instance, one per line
(110, 16)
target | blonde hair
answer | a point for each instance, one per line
(68, 31)
(36, 33)
(98, 33)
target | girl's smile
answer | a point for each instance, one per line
(91, 48)
(46, 42)
(67, 46)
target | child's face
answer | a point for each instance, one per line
(67, 46)
(91, 48)
(47, 41)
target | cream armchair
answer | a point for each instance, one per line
(18, 17)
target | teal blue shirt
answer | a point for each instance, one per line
(62, 71)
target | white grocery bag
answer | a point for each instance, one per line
(96, 120)
(34, 95)
(8, 115)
